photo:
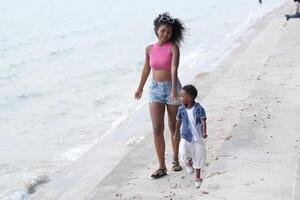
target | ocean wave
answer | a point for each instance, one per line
(103, 101)
(74, 153)
(29, 95)
(10, 101)
(60, 36)
(134, 141)
(60, 52)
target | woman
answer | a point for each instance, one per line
(162, 58)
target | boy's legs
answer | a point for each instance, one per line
(199, 159)
(198, 174)
(185, 155)
(184, 151)
(198, 180)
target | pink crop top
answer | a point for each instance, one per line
(161, 56)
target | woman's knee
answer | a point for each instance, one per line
(158, 130)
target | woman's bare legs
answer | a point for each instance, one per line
(157, 112)
(172, 112)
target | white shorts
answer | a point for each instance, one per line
(195, 150)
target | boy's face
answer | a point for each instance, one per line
(185, 98)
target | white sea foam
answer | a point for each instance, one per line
(134, 141)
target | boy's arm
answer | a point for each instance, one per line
(203, 123)
(177, 131)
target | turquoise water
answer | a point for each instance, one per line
(68, 70)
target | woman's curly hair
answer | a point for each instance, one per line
(178, 28)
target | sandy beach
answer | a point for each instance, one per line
(252, 104)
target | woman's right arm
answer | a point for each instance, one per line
(144, 76)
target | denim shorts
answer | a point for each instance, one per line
(161, 92)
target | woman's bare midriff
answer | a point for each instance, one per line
(161, 75)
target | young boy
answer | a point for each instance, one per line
(191, 119)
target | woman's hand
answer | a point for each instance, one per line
(174, 96)
(138, 94)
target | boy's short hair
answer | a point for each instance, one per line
(191, 90)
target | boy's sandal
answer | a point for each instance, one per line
(176, 167)
(159, 173)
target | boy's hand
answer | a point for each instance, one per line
(205, 136)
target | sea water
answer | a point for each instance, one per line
(69, 69)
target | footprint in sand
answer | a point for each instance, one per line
(215, 173)
(137, 197)
(176, 186)
(228, 138)
(249, 183)
(214, 186)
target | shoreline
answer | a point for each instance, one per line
(88, 185)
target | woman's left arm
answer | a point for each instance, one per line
(174, 70)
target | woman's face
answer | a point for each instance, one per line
(164, 33)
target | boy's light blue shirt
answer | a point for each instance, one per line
(199, 113)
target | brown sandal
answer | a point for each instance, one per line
(176, 167)
(159, 173)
